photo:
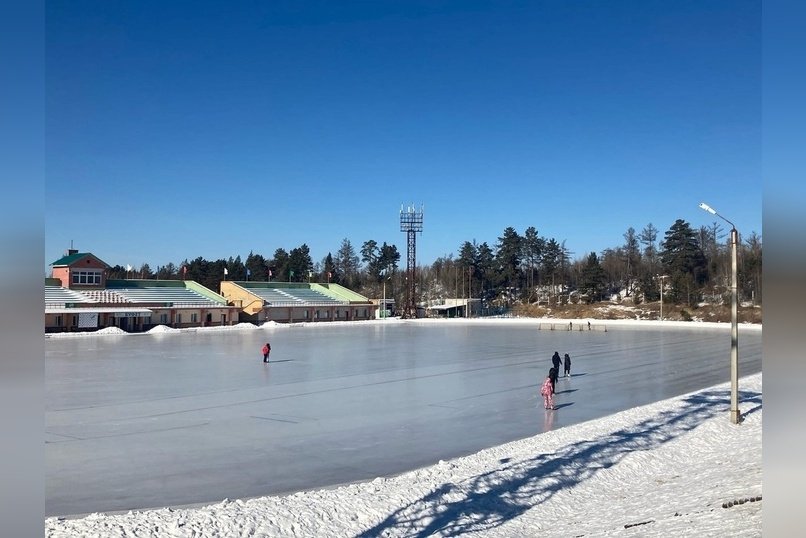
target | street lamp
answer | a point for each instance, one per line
(661, 277)
(384, 273)
(735, 416)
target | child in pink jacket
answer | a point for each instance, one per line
(547, 391)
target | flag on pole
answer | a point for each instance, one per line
(248, 272)
(225, 271)
(128, 267)
(269, 273)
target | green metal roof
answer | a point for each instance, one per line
(70, 259)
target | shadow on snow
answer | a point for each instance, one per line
(487, 501)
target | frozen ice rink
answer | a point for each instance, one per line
(139, 421)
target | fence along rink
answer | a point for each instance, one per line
(571, 326)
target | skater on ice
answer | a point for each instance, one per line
(547, 391)
(553, 373)
(266, 350)
(567, 365)
(556, 360)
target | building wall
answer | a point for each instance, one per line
(64, 274)
(302, 314)
(178, 318)
(236, 295)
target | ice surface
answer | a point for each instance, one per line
(171, 419)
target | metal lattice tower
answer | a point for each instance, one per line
(411, 222)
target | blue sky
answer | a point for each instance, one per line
(184, 129)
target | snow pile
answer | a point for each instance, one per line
(160, 329)
(106, 331)
(236, 327)
(111, 330)
(673, 468)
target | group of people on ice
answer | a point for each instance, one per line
(547, 390)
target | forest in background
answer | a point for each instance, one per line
(693, 265)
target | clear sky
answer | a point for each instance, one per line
(189, 128)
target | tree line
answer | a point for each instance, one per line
(692, 265)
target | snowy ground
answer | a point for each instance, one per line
(676, 467)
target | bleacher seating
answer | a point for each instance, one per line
(58, 296)
(309, 296)
(104, 296)
(160, 294)
(275, 296)
(294, 297)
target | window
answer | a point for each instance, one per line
(178, 318)
(92, 278)
(58, 321)
(194, 318)
(163, 318)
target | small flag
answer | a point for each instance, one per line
(225, 271)
(328, 275)
(269, 273)
(128, 267)
(184, 269)
(248, 272)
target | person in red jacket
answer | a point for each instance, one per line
(266, 350)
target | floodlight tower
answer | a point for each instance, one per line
(411, 222)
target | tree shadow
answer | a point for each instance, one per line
(489, 500)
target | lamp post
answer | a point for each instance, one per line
(661, 277)
(385, 275)
(735, 416)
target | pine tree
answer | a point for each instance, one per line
(532, 245)
(508, 257)
(279, 265)
(684, 262)
(593, 279)
(347, 264)
(300, 263)
(329, 273)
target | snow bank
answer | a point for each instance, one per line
(632, 323)
(160, 329)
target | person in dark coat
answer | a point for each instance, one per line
(567, 365)
(553, 373)
(556, 361)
